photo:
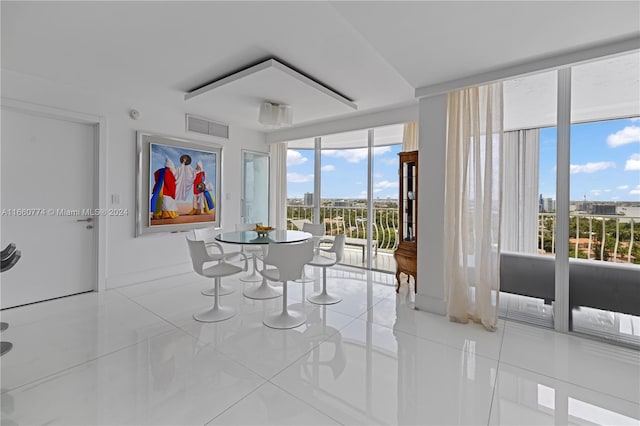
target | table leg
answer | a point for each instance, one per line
(262, 292)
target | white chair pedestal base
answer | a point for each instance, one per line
(215, 314)
(323, 298)
(287, 319)
(223, 291)
(262, 292)
(253, 277)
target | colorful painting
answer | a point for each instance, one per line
(181, 185)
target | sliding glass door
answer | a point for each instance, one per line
(529, 200)
(358, 177)
(300, 184)
(384, 198)
(578, 130)
(344, 182)
(604, 221)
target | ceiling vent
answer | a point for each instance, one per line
(206, 127)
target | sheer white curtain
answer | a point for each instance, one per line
(473, 204)
(520, 192)
(279, 184)
(410, 137)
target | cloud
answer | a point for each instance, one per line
(299, 178)
(355, 155)
(607, 190)
(627, 135)
(635, 191)
(591, 167)
(633, 163)
(380, 190)
(623, 187)
(596, 192)
(389, 161)
(294, 158)
(385, 184)
(634, 119)
(615, 198)
(328, 168)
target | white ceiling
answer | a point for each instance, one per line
(278, 84)
(375, 53)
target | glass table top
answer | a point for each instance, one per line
(272, 237)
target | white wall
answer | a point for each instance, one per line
(432, 134)
(130, 259)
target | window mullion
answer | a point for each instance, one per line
(561, 306)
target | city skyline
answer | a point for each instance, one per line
(605, 166)
(604, 161)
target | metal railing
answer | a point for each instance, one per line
(351, 221)
(610, 238)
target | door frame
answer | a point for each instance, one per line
(99, 124)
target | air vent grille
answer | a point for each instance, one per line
(207, 127)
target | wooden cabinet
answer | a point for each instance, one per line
(406, 253)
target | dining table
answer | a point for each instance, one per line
(264, 238)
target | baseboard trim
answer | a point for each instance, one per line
(430, 304)
(148, 275)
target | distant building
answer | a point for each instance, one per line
(541, 204)
(594, 208)
(549, 205)
(308, 198)
(341, 203)
(590, 207)
(603, 209)
(585, 206)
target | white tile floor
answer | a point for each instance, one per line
(135, 356)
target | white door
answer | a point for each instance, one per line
(47, 189)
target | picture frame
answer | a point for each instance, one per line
(178, 184)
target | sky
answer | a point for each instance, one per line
(605, 166)
(605, 161)
(344, 173)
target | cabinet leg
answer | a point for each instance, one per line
(397, 281)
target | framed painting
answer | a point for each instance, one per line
(178, 184)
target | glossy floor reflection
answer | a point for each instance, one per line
(135, 356)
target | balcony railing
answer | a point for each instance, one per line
(610, 238)
(351, 221)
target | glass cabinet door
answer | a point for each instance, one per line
(409, 201)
